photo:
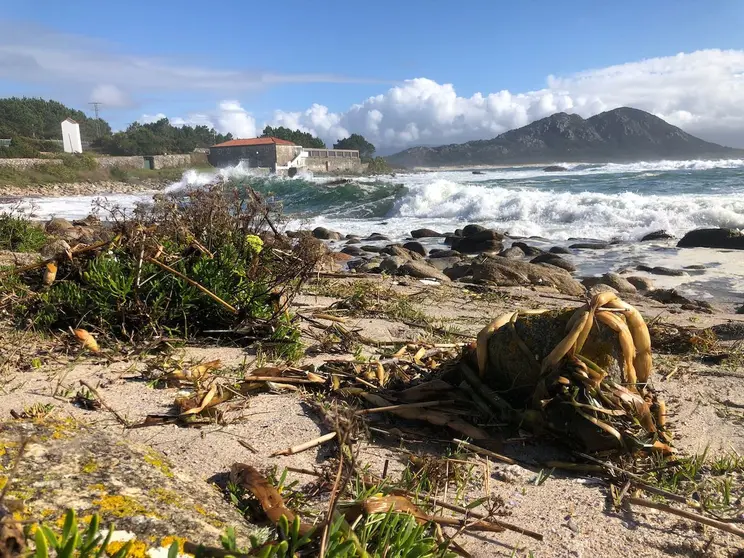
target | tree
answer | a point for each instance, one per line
(356, 141)
(305, 139)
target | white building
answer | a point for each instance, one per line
(71, 136)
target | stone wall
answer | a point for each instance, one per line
(135, 162)
(200, 158)
(171, 161)
(23, 164)
(287, 153)
(255, 156)
(333, 164)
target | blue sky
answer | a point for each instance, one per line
(183, 59)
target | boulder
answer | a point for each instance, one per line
(554, 168)
(600, 288)
(642, 284)
(57, 225)
(372, 266)
(731, 239)
(353, 241)
(471, 230)
(443, 263)
(422, 270)
(457, 272)
(740, 309)
(376, 237)
(512, 273)
(590, 245)
(657, 235)
(19, 259)
(89, 221)
(554, 259)
(372, 249)
(425, 233)
(559, 250)
(415, 247)
(352, 250)
(667, 271)
(401, 252)
(444, 253)
(391, 264)
(514, 252)
(478, 172)
(528, 250)
(352, 236)
(484, 241)
(323, 233)
(55, 249)
(618, 282)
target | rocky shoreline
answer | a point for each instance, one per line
(9, 192)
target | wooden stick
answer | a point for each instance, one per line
(283, 380)
(329, 317)
(687, 515)
(403, 406)
(483, 451)
(206, 291)
(305, 446)
(124, 422)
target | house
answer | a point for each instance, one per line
(282, 156)
(71, 141)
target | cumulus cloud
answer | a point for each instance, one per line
(110, 95)
(702, 92)
(229, 116)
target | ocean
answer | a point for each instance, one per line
(610, 202)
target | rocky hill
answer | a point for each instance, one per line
(623, 134)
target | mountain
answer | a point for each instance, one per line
(620, 135)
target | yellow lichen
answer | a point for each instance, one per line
(200, 509)
(160, 462)
(97, 487)
(165, 497)
(89, 466)
(167, 541)
(3, 481)
(137, 550)
(122, 506)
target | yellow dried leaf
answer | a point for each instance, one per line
(50, 273)
(87, 340)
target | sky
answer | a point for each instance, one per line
(401, 73)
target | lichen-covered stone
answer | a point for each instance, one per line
(69, 466)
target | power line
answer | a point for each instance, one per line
(98, 124)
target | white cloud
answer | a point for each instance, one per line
(703, 92)
(230, 117)
(110, 95)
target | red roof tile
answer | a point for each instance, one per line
(253, 141)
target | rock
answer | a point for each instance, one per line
(8, 258)
(641, 283)
(392, 264)
(352, 250)
(323, 233)
(514, 252)
(457, 272)
(352, 237)
(668, 296)
(401, 252)
(619, 283)
(471, 230)
(478, 172)
(57, 225)
(341, 257)
(667, 271)
(130, 485)
(732, 239)
(422, 270)
(483, 241)
(443, 263)
(372, 249)
(512, 273)
(559, 250)
(425, 233)
(600, 288)
(55, 249)
(372, 266)
(590, 245)
(696, 267)
(353, 241)
(554, 168)
(740, 309)
(415, 247)
(89, 221)
(444, 254)
(554, 259)
(376, 237)
(528, 250)
(657, 235)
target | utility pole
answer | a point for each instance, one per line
(95, 109)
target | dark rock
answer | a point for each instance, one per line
(668, 296)
(57, 225)
(641, 283)
(514, 252)
(540, 238)
(554, 259)
(478, 172)
(422, 270)
(657, 235)
(89, 221)
(352, 236)
(555, 168)
(443, 263)
(376, 237)
(372, 266)
(512, 273)
(590, 245)
(458, 232)
(740, 309)
(17, 259)
(444, 253)
(599, 288)
(667, 271)
(401, 252)
(323, 233)
(55, 249)
(372, 248)
(729, 331)
(530, 251)
(619, 283)
(713, 238)
(458, 271)
(483, 241)
(352, 250)
(353, 241)
(425, 233)
(415, 247)
(559, 250)
(471, 230)
(644, 268)
(392, 264)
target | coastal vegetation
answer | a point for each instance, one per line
(305, 139)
